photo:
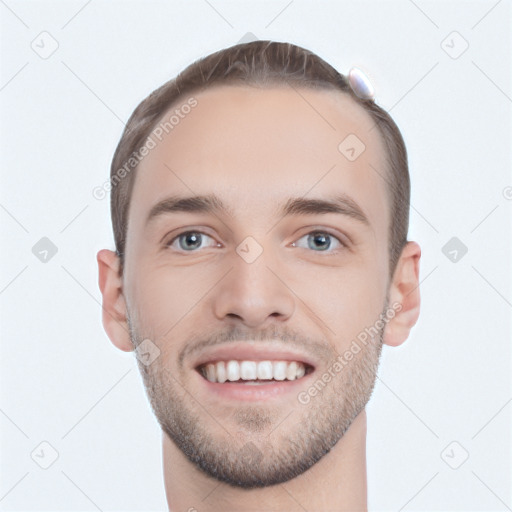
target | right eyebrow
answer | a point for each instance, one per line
(192, 204)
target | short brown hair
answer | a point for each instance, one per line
(265, 64)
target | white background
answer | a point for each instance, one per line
(63, 382)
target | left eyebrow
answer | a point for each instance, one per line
(341, 204)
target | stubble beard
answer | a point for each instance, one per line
(260, 445)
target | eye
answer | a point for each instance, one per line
(188, 241)
(321, 240)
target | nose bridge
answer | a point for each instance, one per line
(252, 291)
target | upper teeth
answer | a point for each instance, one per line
(253, 370)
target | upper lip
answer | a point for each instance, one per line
(257, 352)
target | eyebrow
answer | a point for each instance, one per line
(341, 204)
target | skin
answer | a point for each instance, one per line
(255, 148)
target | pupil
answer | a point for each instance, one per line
(195, 240)
(323, 240)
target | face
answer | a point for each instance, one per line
(257, 297)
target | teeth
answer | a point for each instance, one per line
(233, 370)
(248, 370)
(291, 371)
(280, 370)
(265, 370)
(210, 372)
(223, 371)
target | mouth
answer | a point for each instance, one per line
(253, 372)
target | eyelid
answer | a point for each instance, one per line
(187, 229)
(344, 243)
(343, 237)
(311, 230)
(184, 232)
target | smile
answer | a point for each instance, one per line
(253, 372)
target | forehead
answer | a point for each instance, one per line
(256, 147)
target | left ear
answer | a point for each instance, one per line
(404, 290)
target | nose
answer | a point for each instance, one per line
(254, 294)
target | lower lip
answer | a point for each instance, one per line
(256, 392)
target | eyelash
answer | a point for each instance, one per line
(314, 232)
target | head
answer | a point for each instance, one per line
(240, 221)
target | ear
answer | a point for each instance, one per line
(114, 305)
(404, 290)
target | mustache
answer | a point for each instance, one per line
(322, 349)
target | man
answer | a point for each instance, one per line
(260, 210)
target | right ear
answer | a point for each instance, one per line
(114, 304)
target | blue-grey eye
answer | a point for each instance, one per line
(320, 241)
(189, 241)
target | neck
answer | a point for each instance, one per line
(335, 482)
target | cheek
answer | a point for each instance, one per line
(163, 295)
(346, 300)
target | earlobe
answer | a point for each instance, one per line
(114, 314)
(404, 292)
